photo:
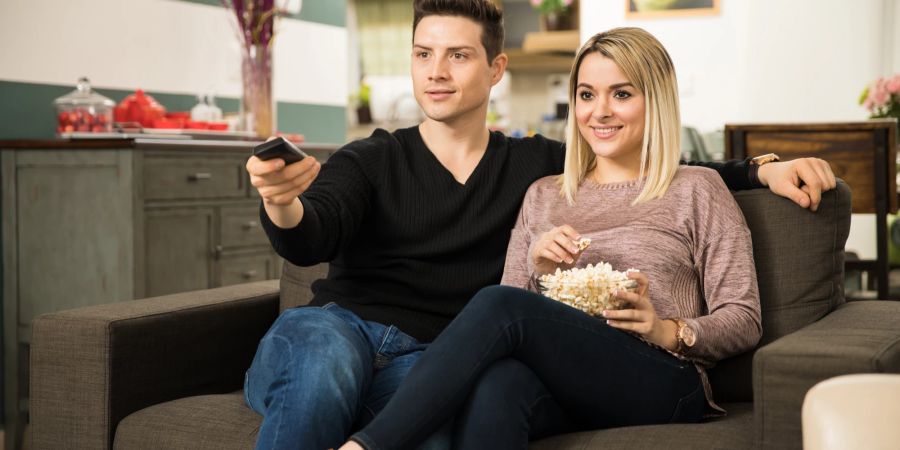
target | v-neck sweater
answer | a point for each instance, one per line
(409, 245)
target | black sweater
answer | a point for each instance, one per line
(407, 244)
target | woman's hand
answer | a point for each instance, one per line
(642, 318)
(554, 248)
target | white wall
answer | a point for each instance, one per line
(774, 61)
(767, 60)
(162, 45)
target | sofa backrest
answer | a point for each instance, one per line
(799, 259)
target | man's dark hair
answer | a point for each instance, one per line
(482, 12)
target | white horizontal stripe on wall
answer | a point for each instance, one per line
(162, 45)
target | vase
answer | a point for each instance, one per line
(257, 107)
(556, 21)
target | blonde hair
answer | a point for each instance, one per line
(648, 67)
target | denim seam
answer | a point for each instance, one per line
(388, 335)
(288, 385)
(678, 404)
(533, 405)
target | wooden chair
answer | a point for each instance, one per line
(861, 153)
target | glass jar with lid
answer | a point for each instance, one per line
(84, 110)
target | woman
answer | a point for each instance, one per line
(565, 370)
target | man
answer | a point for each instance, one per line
(413, 223)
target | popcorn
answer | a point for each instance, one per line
(589, 289)
(582, 244)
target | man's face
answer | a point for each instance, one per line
(451, 76)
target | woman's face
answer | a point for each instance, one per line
(609, 109)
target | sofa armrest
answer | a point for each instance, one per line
(92, 367)
(858, 337)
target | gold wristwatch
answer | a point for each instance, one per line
(758, 161)
(684, 336)
(764, 159)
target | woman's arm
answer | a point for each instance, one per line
(516, 272)
(723, 258)
(733, 323)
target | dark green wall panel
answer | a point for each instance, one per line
(319, 123)
(27, 112)
(328, 12)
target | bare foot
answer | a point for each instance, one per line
(350, 445)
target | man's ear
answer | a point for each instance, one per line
(498, 66)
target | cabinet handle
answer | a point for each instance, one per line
(249, 274)
(199, 176)
(251, 224)
(217, 252)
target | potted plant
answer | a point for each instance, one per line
(362, 98)
(555, 14)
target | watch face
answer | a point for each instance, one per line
(765, 159)
(687, 334)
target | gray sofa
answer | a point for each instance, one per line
(166, 372)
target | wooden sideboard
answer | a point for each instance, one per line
(97, 221)
(863, 154)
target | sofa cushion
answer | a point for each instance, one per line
(732, 432)
(296, 283)
(799, 258)
(859, 337)
(224, 422)
(213, 422)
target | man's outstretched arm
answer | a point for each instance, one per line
(802, 180)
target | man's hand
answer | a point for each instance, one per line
(802, 180)
(280, 187)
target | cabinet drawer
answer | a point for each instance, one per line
(189, 178)
(244, 269)
(241, 227)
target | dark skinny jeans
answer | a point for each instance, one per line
(555, 368)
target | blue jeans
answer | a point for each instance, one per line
(515, 365)
(321, 373)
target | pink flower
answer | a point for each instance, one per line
(536, 3)
(567, 2)
(880, 97)
(868, 104)
(893, 85)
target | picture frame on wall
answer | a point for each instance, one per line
(644, 9)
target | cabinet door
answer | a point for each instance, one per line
(238, 269)
(179, 250)
(70, 229)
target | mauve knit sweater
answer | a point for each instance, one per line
(693, 244)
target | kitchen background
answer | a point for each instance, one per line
(753, 61)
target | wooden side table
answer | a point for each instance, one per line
(861, 153)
